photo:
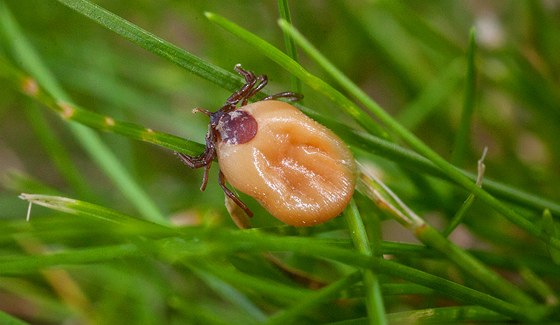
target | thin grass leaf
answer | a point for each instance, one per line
(405, 58)
(432, 96)
(32, 264)
(374, 298)
(415, 143)
(284, 10)
(386, 200)
(57, 153)
(303, 306)
(550, 228)
(422, 29)
(446, 315)
(10, 320)
(540, 287)
(249, 241)
(245, 282)
(97, 150)
(232, 295)
(462, 140)
(156, 45)
(461, 213)
(297, 70)
(66, 111)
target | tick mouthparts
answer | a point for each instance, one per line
(202, 110)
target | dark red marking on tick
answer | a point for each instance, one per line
(237, 127)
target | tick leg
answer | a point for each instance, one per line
(192, 161)
(197, 162)
(202, 160)
(290, 96)
(205, 176)
(233, 196)
(261, 81)
(241, 94)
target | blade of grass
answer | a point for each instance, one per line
(301, 307)
(30, 87)
(31, 264)
(404, 57)
(432, 96)
(549, 227)
(461, 213)
(231, 294)
(422, 28)
(415, 143)
(7, 319)
(61, 282)
(447, 315)
(90, 141)
(156, 45)
(544, 290)
(284, 10)
(462, 139)
(247, 282)
(387, 201)
(56, 151)
(230, 241)
(297, 70)
(374, 298)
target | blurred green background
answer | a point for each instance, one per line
(407, 55)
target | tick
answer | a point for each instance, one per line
(296, 168)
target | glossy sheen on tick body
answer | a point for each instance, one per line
(299, 170)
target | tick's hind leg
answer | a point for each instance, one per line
(233, 196)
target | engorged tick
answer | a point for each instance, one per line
(300, 171)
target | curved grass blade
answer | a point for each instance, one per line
(31, 88)
(462, 139)
(91, 142)
(374, 298)
(393, 125)
(284, 10)
(297, 70)
(251, 241)
(156, 45)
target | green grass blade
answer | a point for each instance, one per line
(57, 153)
(249, 241)
(301, 307)
(155, 45)
(374, 298)
(297, 70)
(231, 294)
(284, 10)
(432, 96)
(67, 111)
(10, 320)
(447, 315)
(462, 140)
(415, 143)
(91, 142)
(32, 264)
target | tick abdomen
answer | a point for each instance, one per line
(296, 168)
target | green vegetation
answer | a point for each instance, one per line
(95, 97)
